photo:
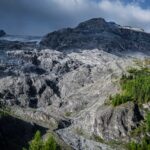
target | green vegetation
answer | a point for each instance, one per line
(38, 144)
(143, 145)
(51, 144)
(148, 122)
(119, 99)
(68, 114)
(143, 128)
(139, 130)
(5, 112)
(98, 139)
(135, 87)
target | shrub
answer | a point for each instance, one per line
(38, 144)
(50, 144)
(139, 130)
(120, 99)
(144, 145)
(148, 122)
(145, 142)
(135, 87)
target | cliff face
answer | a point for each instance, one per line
(97, 33)
(16, 133)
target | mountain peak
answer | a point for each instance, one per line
(99, 34)
(96, 23)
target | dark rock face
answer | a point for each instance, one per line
(15, 133)
(2, 33)
(113, 123)
(63, 124)
(97, 33)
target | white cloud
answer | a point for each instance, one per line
(130, 14)
(42, 16)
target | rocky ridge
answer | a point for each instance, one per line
(97, 33)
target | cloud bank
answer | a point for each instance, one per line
(38, 17)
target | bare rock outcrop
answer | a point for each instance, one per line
(2, 33)
(115, 123)
(97, 33)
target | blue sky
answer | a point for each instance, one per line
(38, 17)
(142, 3)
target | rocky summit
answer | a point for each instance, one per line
(65, 84)
(99, 34)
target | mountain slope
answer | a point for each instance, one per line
(97, 33)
